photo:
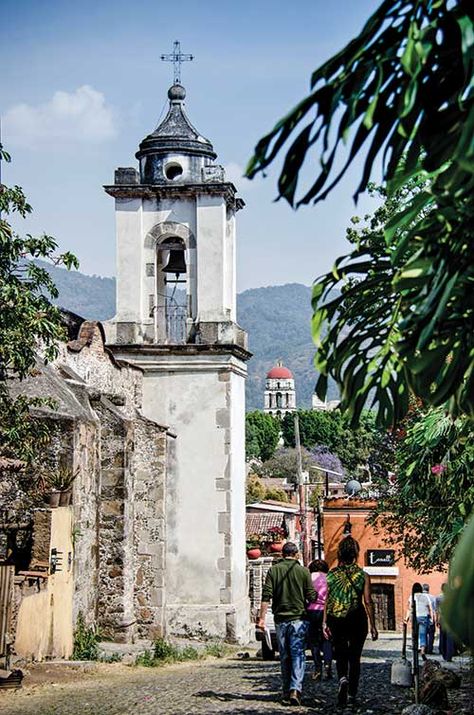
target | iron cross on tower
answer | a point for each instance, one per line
(177, 57)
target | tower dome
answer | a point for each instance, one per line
(175, 151)
(280, 394)
(279, 372)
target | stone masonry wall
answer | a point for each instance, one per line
(85, 510)
(115, 434)
(149, 471)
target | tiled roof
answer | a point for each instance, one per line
(261, 523)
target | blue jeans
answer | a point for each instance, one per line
(291, 637)
(423, 623)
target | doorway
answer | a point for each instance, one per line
(383, 596)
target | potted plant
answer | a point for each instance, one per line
(277, 538)
(59, 481)
(253, 546)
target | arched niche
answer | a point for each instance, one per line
(161, 238)
(167, 229)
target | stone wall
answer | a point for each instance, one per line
(41, 535)
(85, 510)
(257, 571)
(113, 596)
(149, 469)
(116, 561)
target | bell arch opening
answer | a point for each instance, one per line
(172, 298)
(174, 303)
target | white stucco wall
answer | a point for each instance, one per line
(211, 265)
(202, 399)
(128, 219)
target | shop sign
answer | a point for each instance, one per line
(380, 557)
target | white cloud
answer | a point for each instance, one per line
(82, 116)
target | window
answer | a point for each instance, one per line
(173, 170)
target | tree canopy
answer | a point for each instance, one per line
(262, 433)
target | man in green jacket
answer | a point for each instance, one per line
(289, 588)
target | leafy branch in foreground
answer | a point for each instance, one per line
(403, 86)
(404, 90)
(389, 320)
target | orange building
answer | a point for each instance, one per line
(392, 579)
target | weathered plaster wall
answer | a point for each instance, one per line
(45, 621)
(205, 554)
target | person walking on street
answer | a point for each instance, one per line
(447, 644)
(348, 603)
(431, 632)
(289, 589)
(317, 642)
(424, 614)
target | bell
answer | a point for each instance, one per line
(176, 262)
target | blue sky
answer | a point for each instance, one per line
(85, 84)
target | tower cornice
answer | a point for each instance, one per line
(183, 191)
(134, 351)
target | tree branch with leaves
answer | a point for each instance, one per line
(29, 323)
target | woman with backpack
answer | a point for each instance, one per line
(348, 612)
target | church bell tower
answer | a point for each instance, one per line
(176, 320)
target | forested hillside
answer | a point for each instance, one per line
(277, 319)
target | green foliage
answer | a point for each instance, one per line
(457, 610)
(146, 660)
(262, 433)
(28, 320)
(425, 511)
(165, 652)
(217, 649)
(112, 658)
(255, 490)
(59, 478)
(405, 87)
(314, 497)
(277, 494)
(362, 306)
(85, 640)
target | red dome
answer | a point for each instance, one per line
(279, 373)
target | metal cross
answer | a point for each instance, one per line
(177, 57)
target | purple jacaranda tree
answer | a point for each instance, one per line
(325, 459)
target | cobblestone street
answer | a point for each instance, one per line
(230, 685)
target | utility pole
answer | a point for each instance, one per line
(301, 495)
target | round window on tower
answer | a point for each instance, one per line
(173, 170)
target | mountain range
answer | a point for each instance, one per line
(277, 319)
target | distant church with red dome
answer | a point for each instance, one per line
(280, 393)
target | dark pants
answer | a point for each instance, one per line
(348, 637)
(317, 642)
(447, 644)
(430, 637)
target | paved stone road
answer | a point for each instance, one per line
(218, 686)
